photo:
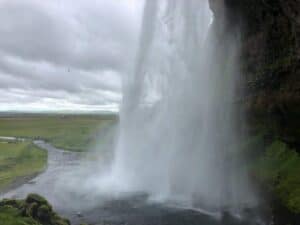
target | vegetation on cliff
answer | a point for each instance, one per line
(279, 170)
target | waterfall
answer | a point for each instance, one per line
(179, 141)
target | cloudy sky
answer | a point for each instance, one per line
(66, 54)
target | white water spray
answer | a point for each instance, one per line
(178, 139)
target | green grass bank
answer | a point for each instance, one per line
(18, 161)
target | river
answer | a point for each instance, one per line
(63, 183)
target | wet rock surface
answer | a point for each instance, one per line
(270, 58)
(270, 74)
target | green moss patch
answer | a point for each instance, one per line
(34, 210)
(12, 216)
(279, 168)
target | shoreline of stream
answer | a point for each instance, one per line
(78, 207)
(27, 179)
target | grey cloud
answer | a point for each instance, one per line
(66, 51)
(45, 75)
(85, 41)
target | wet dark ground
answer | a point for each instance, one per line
(60, 185)
(134, 212)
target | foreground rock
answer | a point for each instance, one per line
(34, 210)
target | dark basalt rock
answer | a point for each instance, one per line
(270, 70)
(31, 210)
(44, 213)
(270, 61)
(270, 54)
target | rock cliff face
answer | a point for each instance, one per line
(270, 56)
(270, 62)
(270, 66)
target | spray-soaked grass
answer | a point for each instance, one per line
(12, 216)
(75, 133)
(280, 169)
(19, 160)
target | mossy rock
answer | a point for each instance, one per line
(44, 213)
(34, 210)
(31, 210)
(19, 204)
(36, 198)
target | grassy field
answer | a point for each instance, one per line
(18, 160)
(70, 132)
(12, 216)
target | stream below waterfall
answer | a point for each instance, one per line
(92, 208)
